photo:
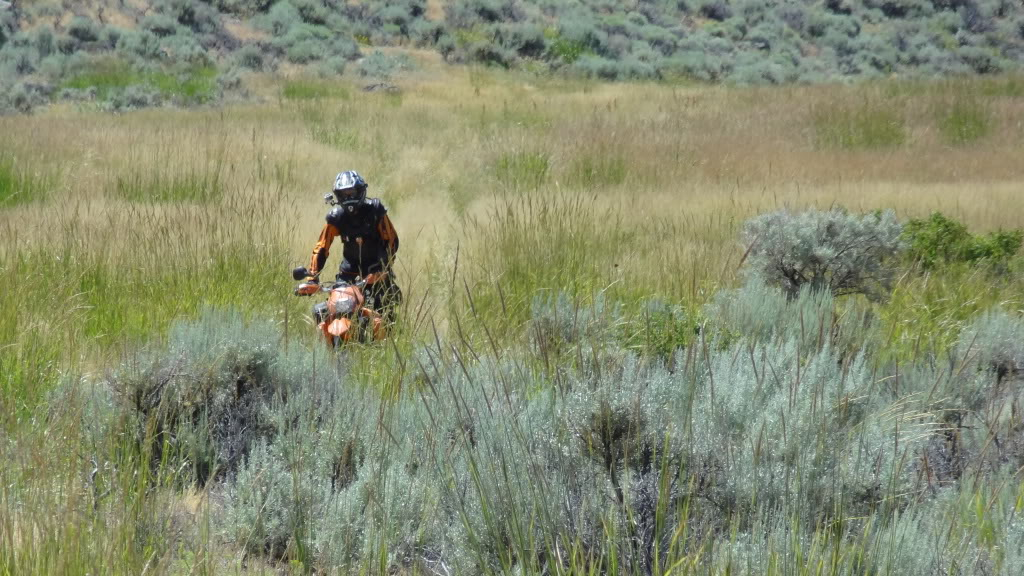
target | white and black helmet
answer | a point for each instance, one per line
(349, 187)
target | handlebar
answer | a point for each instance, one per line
(310, 288)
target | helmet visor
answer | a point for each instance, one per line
(347, 194)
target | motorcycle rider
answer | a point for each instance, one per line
(369, 243)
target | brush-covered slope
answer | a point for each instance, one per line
(188, 51)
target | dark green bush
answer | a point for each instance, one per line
(939, 240)
(280, 19)
(427, 33)
(18, 61)
(8, 26)
(160, 24)
(22, 97)
(333, 66)
(83, 29)
(139, 43)
(754, 70)
(250, 56)
(304, 43)
(243, 7)
(133, 97)
(317, 12)
(44, 41)
(195, 15)
(715, 9)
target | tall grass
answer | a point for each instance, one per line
(527, 170)
(18, 184)
(312, 89)
(965, 122)
(869, 126)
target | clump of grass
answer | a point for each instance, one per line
(196, 181)
(867, 127)
(312, 89)
(533, 242)
(522, 169)
(18, 185)
(194, 187)
(335, 136)
(965, 122)
(337, 132)
(597, 169)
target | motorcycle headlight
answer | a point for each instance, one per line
(344, 305)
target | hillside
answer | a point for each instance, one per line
(127, 53)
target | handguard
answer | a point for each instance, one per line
(307, 289)
(374, 277)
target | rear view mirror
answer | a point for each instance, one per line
(300, 273)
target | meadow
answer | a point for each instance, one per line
(583, 380)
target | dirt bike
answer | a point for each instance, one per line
(345, 316)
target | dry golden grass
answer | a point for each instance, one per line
(693, 162)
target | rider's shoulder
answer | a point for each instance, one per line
(376, 205)
(334, 216)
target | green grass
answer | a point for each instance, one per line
(965, 122)
(195, 187)
(177, 180)
(927, 311)
(522, 169)
(18, 184)
(194, 85)
(313, 89)
(871, 126)
(337, 131)
(597, 170)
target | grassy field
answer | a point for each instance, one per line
(561, 242)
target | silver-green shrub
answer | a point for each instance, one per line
(759, 311)
(383, 66)
(274, 498)
(750, 436)
(559, 320)
(995, 340)
(205, 393)
(830, 250)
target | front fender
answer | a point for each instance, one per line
(337, 328)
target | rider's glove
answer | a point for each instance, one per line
(309, 285)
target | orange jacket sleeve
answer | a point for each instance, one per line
(322, 249)
(388, 234)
